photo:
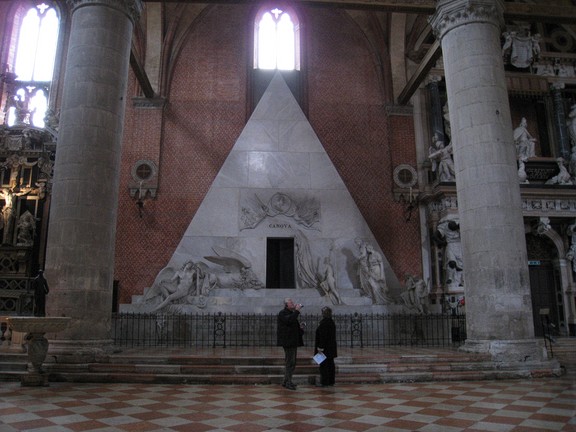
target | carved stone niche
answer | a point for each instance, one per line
(14, 260)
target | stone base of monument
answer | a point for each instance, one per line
(263, 301)
(520, 351)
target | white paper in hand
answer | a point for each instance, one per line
(319, 358)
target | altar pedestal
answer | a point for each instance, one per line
(37, 345)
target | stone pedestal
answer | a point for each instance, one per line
(37, 344)
(498, 301)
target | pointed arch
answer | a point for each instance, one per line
(30, 61)
(276, 38)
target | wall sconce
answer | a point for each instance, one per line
(140, 200)
(144, 184)
(405, 178)
(409, 203)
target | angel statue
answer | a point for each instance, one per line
(238, 271)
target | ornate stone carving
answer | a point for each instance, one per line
(447, 236)
(415, 295)
(453, 13)
(132, 8)
(328, 283)
(525, 143)
(521, 49)
(304, 211)
(563, 176)
(371, 273)
(26, 229)
(195, 281)
(542, 226)
(441, 157)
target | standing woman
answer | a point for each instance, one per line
(326, 344)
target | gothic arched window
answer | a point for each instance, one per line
(32, 54)
(277, 39)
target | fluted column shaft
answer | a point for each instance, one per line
(498, 301)
(81, 235)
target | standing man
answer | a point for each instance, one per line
(40, 290)
(326, 343)
(289, 339)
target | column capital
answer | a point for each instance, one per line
(557, 86)
(454, 13)
(131, 8)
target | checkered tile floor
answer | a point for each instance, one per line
(523, 405)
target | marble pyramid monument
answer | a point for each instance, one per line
(277, 222)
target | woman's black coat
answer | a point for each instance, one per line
(326, 338)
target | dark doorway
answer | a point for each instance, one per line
(543, 290)
(280, 263)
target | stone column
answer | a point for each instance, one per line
(81, 235)
(562, 147)
(498, 301)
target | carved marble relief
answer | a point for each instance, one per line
(201, 282)
(371, 273)
(304, 211)
(196, 280)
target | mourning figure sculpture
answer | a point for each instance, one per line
(525, 143)
(447, 235)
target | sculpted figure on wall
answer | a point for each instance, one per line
(521, 49)
(306, 271)
(525, 143)
(26, 229)
(447, 235)
(441, 157)
(371, 273)
(10, 196)
(327, 283)
(179, 286)
(522, 176)
(563, 177)
(415, 296)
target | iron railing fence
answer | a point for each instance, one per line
(259, 330)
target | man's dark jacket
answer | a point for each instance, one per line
(289, 328)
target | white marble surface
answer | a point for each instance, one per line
(278, 182)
